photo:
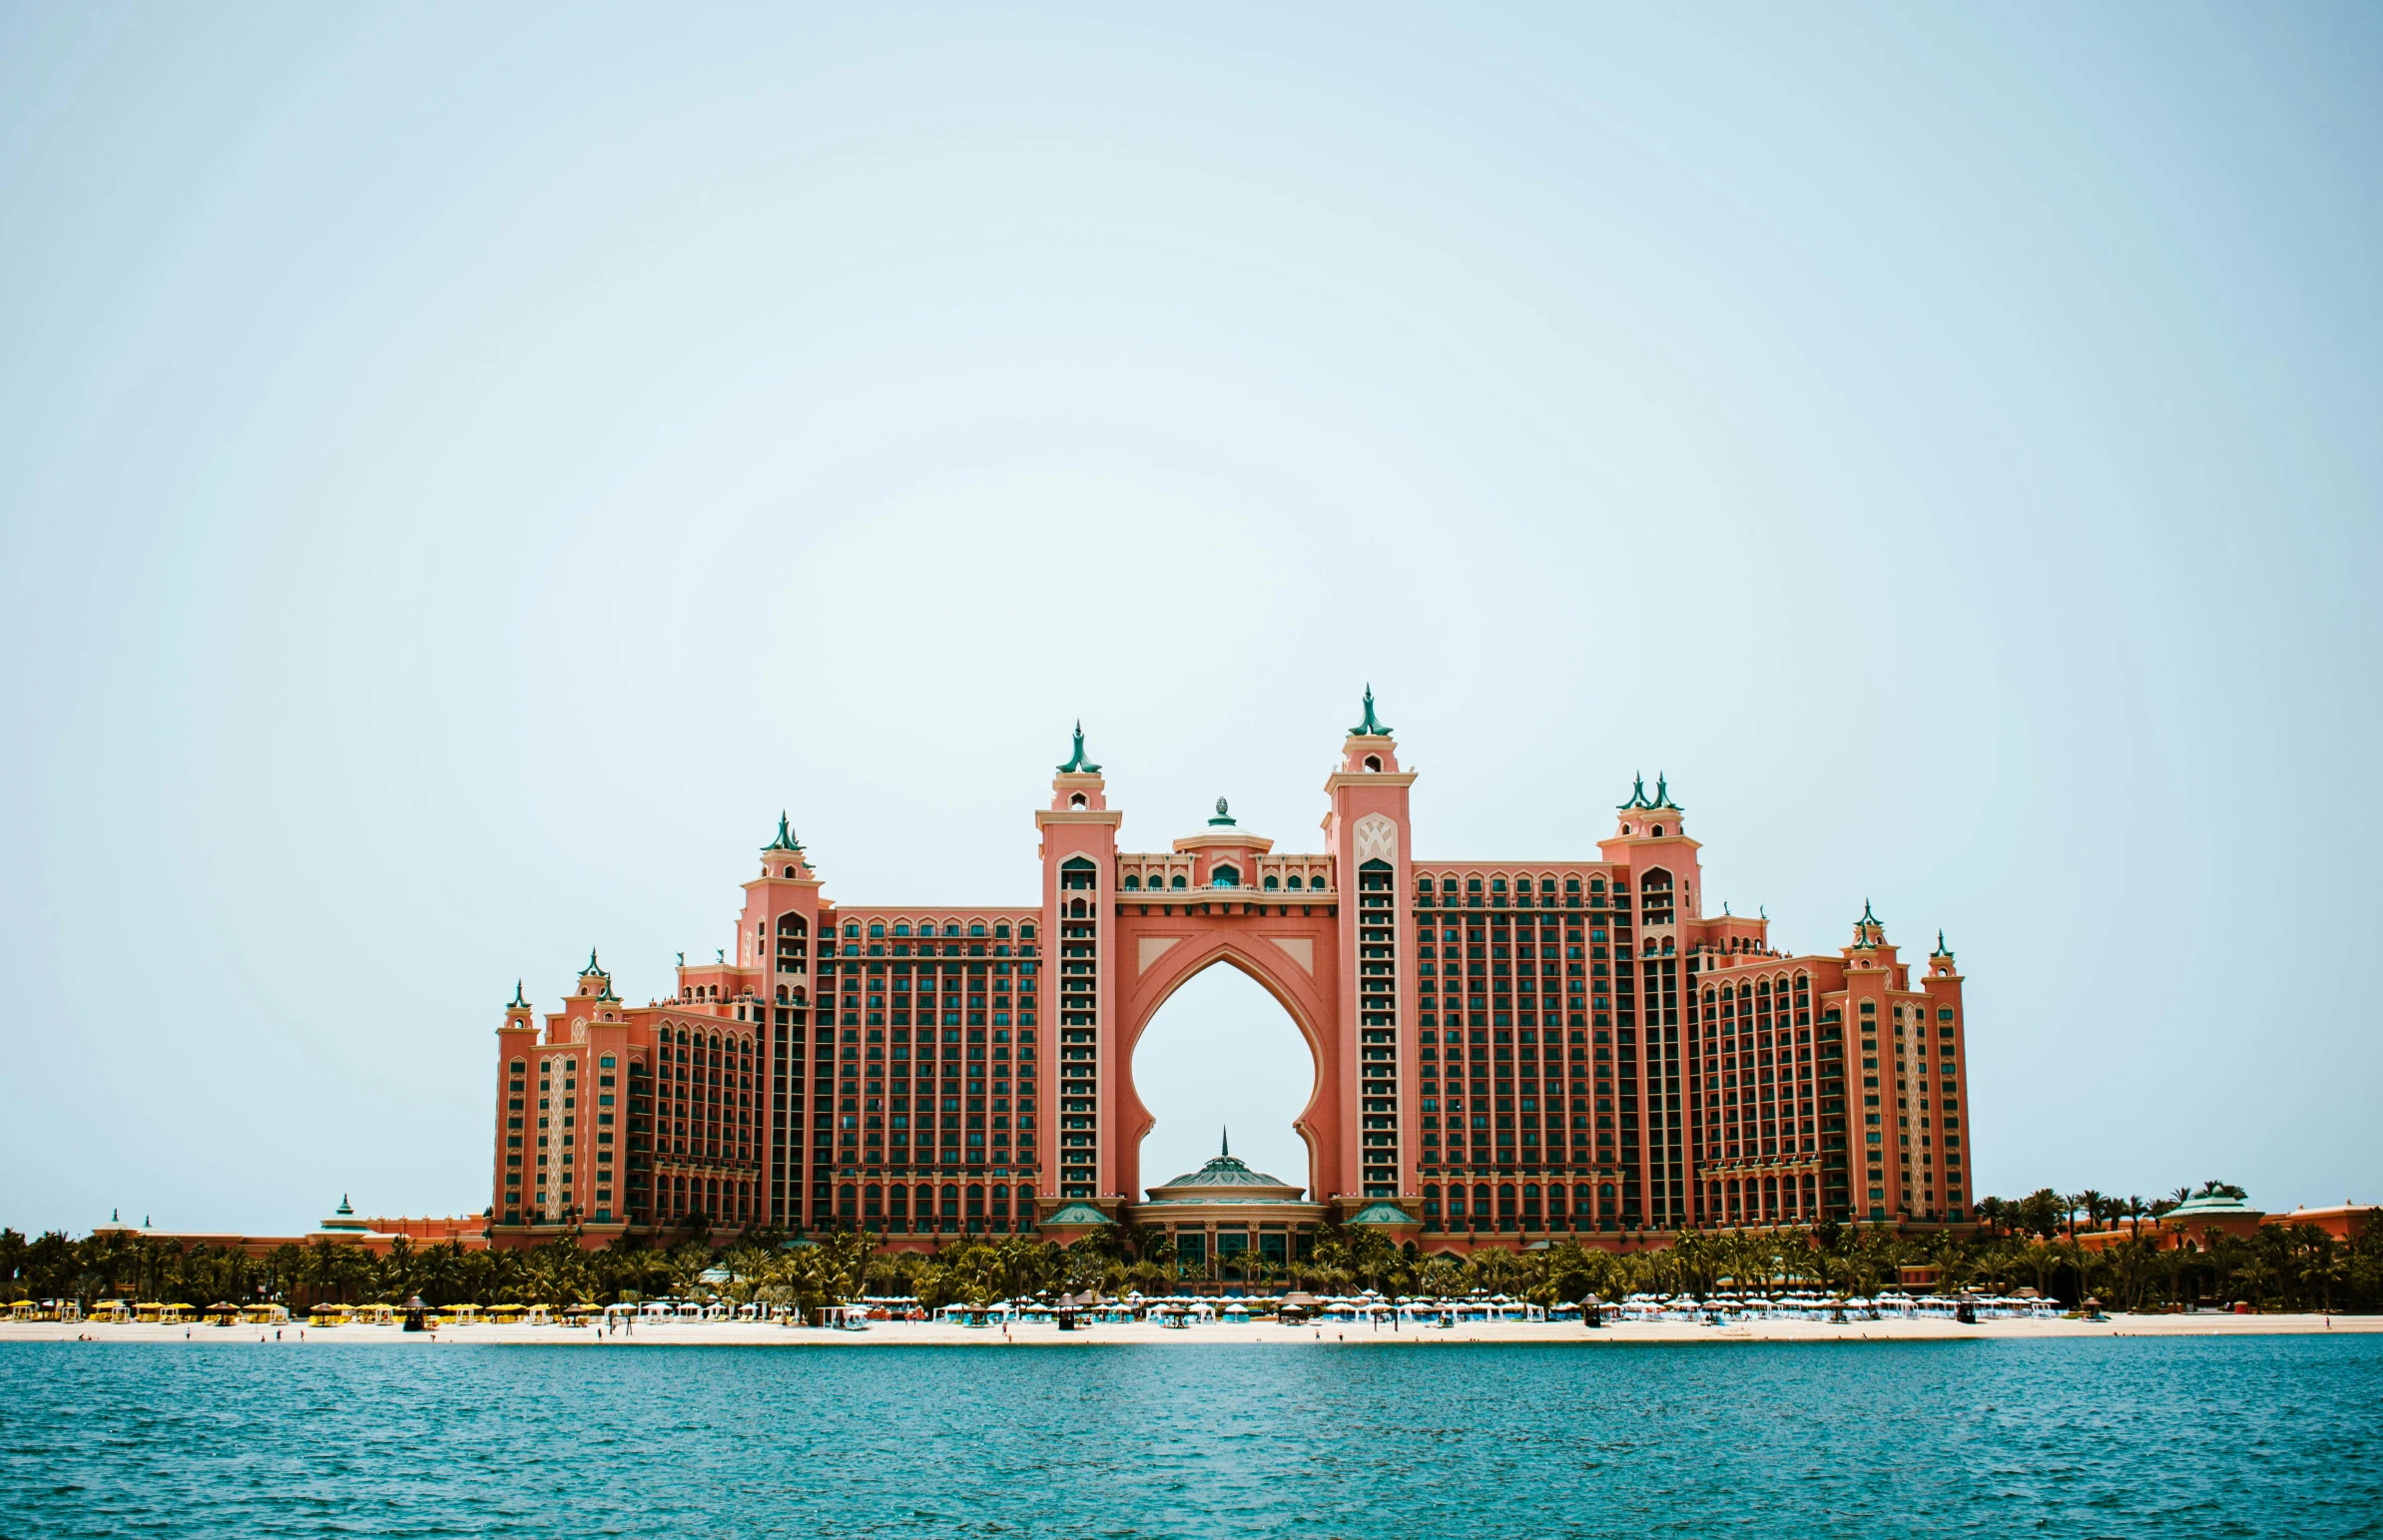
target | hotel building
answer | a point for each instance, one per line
(1506, 1051)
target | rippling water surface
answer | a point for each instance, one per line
(2242, 1436)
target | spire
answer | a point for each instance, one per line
(786, 839)
(1222, 819)
(1663, 794)
(1369, 727)
(1868, 919)
(1225, 1146)
(1942, 950)
(1637, 795)
(1077, 764)
(591, 964)
(518, 1003)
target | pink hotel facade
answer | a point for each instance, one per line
(1504, 1051)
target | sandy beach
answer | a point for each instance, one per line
(932, 1335)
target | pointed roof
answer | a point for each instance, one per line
(1867, 919)
(1077, 764)
(591, 967)
(1369, 727)
(1663, 794)
(1077, 1213)
(1942, 950)
(786, 839)
(517, 1002)
(1380, 1212)
(1637, 795)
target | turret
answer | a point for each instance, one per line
(1078, 786)
(783, 856)
(594, 982)
(1369, 748)
(1650, 838)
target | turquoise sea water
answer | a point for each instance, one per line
(2190, 1436)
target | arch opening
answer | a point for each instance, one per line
(1223, 1052)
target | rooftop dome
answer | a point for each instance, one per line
(1226, 1180)
(2210, 1206)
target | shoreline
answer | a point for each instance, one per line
(933, 1334)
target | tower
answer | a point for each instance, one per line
(1079, 865)
(1367, 834)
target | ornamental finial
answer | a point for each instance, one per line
(1369, 727)
(1637, 795)
(1077, 764)
(518, 1003)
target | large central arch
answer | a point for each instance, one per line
(1292, 957)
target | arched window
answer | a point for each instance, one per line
(1224, 876)
(1075, 872)
(1078, 801)
(1133, 884)
(1271, 883)
(1373, 762)
(1293, 883)
(1180, 881)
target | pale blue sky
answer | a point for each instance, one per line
(462, 472)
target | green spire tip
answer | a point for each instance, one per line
(1077, 764)
(1371, 726)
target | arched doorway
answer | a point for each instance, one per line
(1290, 960)
(1222, 1052)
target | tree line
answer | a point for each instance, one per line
(2028, 1242)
